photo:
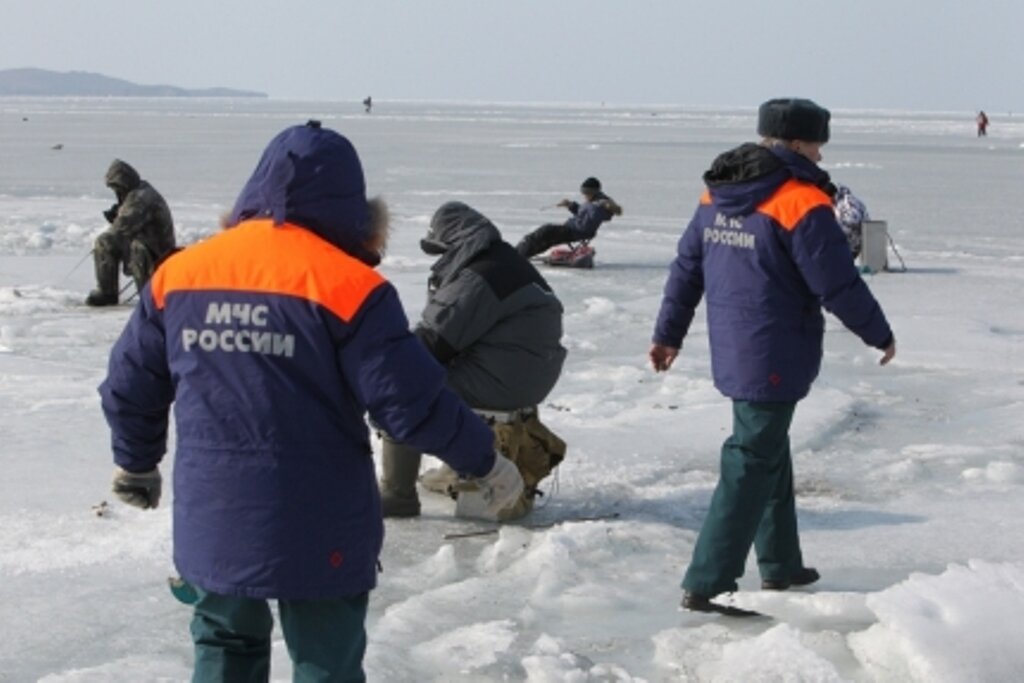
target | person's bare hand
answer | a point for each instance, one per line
(888, 354)
(662, 356)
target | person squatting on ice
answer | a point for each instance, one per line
(141, 233)
(495, 325)
(597, 208)
(765, 249)
(275, 494)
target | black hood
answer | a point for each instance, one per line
(742, 164)
(742, 178)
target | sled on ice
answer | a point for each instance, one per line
(571, 256)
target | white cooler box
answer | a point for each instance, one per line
(874, 246)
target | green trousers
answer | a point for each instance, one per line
(753, 504)
(326, 639)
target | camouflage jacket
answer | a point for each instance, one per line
(141, 213)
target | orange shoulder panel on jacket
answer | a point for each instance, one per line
(257, 256)
(792, 201)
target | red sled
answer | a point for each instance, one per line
(581, 256)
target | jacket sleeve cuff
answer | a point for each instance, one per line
(662, 340)
(485, 466)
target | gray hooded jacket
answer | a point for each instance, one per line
(490, 318)
(142, 214)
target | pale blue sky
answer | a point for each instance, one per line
(904, 54)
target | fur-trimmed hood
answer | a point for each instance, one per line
(311, 176)
(607, 203)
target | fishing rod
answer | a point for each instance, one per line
(76, 267)
(896, 251)
(125, 288)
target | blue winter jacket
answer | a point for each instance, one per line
(273, 342)
(589, 216)
(765, 249)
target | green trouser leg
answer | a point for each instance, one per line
(753, 500)
(107, 254)
(326, 638)
(232, 639)
(400, 467)
(141, 264)
(777, 543)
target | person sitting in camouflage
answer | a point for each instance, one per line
(495, 325)
(141, 233)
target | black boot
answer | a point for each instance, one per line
(100, 298)
(803, 577)
(696, 602)
(525, 247)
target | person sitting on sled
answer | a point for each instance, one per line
(597, 207)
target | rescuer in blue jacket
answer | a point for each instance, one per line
(765, 251)
(274, 338)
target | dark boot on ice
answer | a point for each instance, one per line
(803, 577)
(695, 602)
(401, 466)
(100, 298)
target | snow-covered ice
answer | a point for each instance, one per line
(910, 478)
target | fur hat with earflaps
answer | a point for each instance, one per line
(793, 119)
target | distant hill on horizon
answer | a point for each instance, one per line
(45, 83)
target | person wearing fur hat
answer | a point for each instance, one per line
(766, 250)
(586, 218)
(273, 339)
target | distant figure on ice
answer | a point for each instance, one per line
(141, 233)
(597, 207)
(851, 214)
(495, 326)
(764, 248)
(982, 120)
(368, 103)
(273, 338)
